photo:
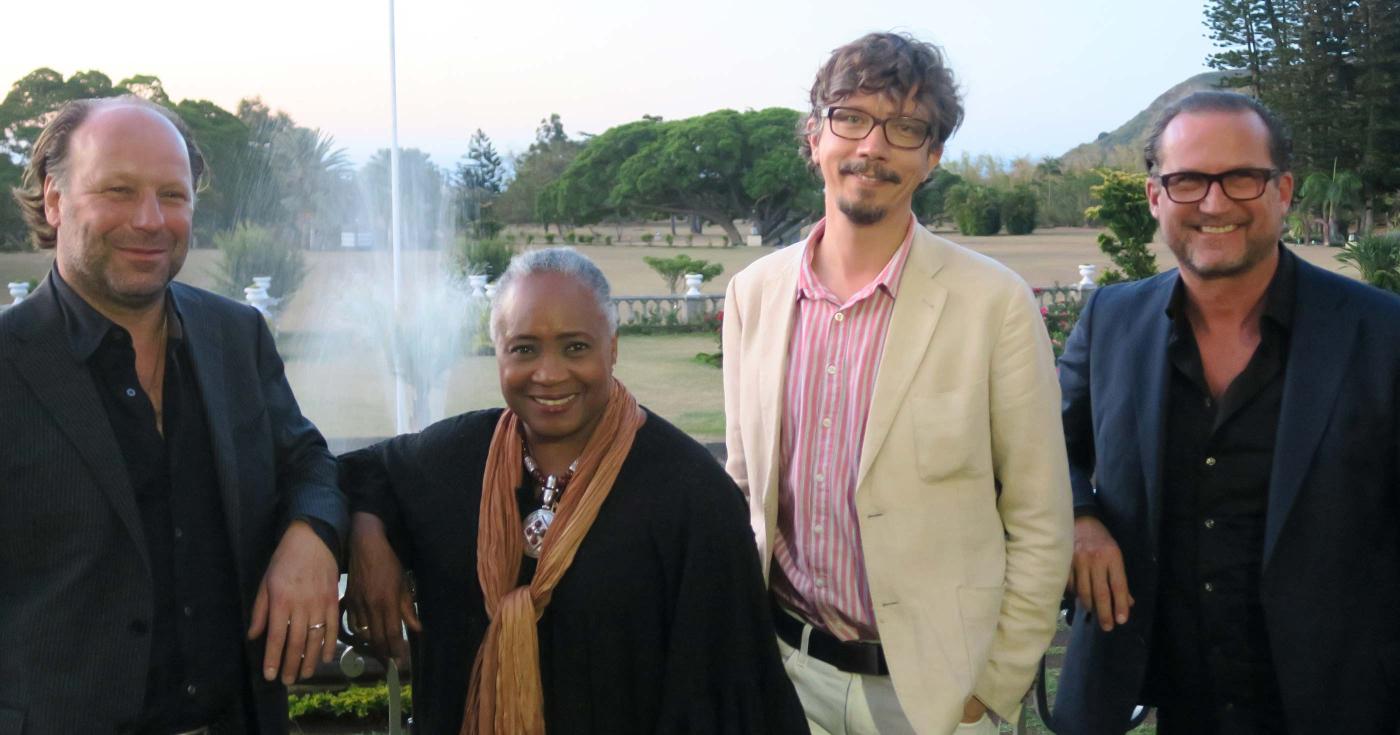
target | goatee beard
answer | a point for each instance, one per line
(861, 214)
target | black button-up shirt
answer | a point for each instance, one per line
(196, 673)
(1211, 669)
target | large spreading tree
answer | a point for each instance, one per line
(722, 167)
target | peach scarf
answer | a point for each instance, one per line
(505, 696)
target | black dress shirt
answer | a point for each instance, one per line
(196, 673)
(1211, 670)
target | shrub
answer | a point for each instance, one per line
(1060, 318)
(488, 229)
(670, 240)
(529, 239)
(356, 702)
(570, 238)
(607, 240)
(672, 270)
(976, 209)
(250, 250)
(647, 237)
(549, 238)
(690, 239)
(1018, 210)
(484, 257)
(1377, 257)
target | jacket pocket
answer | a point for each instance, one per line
(950, 432)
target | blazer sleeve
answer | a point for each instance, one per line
(305, 469)
(1076, 411)
(1029, 466)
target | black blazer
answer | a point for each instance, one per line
(75, 581)
(1331, 560)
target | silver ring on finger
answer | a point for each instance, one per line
(316, 626)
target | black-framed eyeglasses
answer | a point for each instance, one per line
(900, 132)
(1240, 184)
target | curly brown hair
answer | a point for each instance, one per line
(892, 64)
(49, 157)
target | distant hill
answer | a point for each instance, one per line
(1123, 147)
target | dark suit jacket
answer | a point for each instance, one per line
(76, 598)
(1330, 583)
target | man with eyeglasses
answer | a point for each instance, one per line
(892, 415)
(1235, 458)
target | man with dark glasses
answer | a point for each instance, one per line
(1235, 459)
(891, 413)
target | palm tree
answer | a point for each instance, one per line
(1378, 259)
(1329, 194)
(315, 179)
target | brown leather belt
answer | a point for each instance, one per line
(852, 657)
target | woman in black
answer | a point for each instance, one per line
(659, 622)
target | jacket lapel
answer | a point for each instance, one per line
(779, 294)
(206, 351)
(64, 386)
(916, 311)
(1319, 349)
(1153, 329)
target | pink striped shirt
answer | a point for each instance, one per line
(833, 358)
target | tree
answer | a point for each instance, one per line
(316, 183)
(33, 101)
(931, 200)
(1329, 196)
(721, 167)
(476, 182)
(223, 139)
(249, 251)
(422, 190)
(1124, 209)
(536, 169)
(672, 270)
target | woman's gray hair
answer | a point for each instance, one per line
(566, 261)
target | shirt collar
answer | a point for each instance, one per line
(811, 287)
(1278, 297)
(87, 327)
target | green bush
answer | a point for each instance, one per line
(1018, 210)
(672, 270)
(356, 702)
(250, 250)
(1377, 257)
(607, 239)
(549, 238)
(488, 229)
(670, 240)
(570, 238)
(976, 209)
(1124, 210)
(529, 239)
(647, 237)
(484, 257)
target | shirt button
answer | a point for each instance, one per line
(191, 690)
(820, 583)
(189, 611)
(839, 316)
(1210, 523)
(826, 423)
(819, 477)
(830, 369)
(817, 528)
(179, 532)
(1208, 587)
(1210, 461)
(1209, 403)
(130, 392)
(138, 627)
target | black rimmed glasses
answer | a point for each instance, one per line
(1240, 184)
(900, 132)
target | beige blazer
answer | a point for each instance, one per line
(963, 489)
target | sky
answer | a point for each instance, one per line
(1038, 76)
